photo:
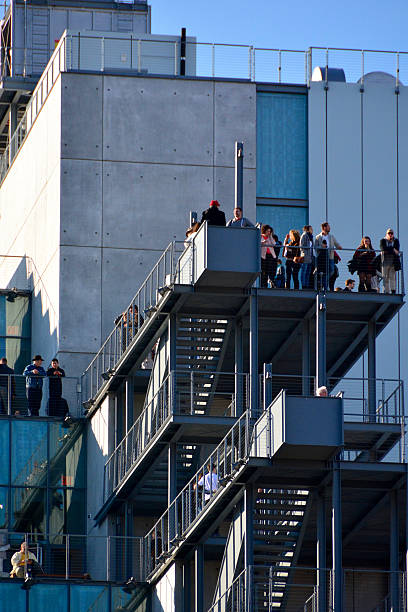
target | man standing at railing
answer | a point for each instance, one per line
(331, 245)
(34, 374)
(7, 387)
(57, 406)
(212, 215)
(238, 220)
(209, 481)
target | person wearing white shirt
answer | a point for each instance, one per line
(209, 482)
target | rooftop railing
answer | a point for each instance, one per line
(216, 394)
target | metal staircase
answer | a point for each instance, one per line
(279, 519)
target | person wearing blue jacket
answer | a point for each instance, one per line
(34, 374)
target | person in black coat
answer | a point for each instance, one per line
(56, 405)
(390, 260)
(213, 215)
(7, 386)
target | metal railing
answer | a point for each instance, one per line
(195, 497)
(66, 556)
(217, 394)
(131, 322)
(14, 402)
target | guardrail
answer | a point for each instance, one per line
(217, 394)
(67, 557)
(14, 402)
(214, 474)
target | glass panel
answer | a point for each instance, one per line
(282, 146)
(29, 453)
(28, 509)
(119, 598)
(67, 457)
(67, 510)
(3, 507)
(90, 598)
(12, 597)
(49, 596)
(282, 219)
(4, 446)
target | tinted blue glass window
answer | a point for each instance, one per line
(12, 597)
(28, 510)
(282, 218)
(87, 597)
(3, 507)
(29, 453)
(4, 446)
(282, 146)
(67, 457)
(49, 597)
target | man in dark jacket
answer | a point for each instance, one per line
(212, 215)
(56, 405)
(7, 386)
(389, 247)
(34, 374)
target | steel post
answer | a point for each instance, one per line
(372, 400)
(172, 472)
(267, 385)
(253, 354)
(306, 357)
(321, 339)
(394, 552)
(199, 578)
(239, 408)
(321, 555)
(337, 540)
(129, 402)
(239, 175)
(186, 586)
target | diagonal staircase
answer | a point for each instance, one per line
(279, 519)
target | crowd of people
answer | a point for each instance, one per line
(311, 262)
(34, 373)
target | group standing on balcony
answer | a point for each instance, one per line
(312, 262)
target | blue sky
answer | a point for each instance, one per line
(288, 25)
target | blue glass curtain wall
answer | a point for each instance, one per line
(282, 218)
(15, 330)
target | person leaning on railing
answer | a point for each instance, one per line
(34, 374)
(7, 386)
(24, 563)
(331, 242)
(293, 258)
(268, 256)
(390, 260)
(363, 260)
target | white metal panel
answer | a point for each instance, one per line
(379, 159)
(344, 167)
(102, 20)
(317, 153)
(81, 20)
(58, 23)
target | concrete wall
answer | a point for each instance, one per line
(366, 186)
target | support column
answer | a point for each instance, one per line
(337, 540)
(394, 552)
(12, 129)
(321, 555)
(186, 586)
(172, 334)
(406, 533)
(267, 386)
(129, 389)
(306, 357)
(321, 340)
(199, 578)
(239, 175)
(372, 400)
(239, 365)
(253, 354)
(249, 499)
(172, 472)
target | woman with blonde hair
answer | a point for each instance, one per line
(292, 251)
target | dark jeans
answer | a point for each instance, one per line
(292, 270)
(268, 269)
(34, 397)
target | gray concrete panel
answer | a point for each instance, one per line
(80, 299)
(317, 153)
(81, 109)
(123, 273)
(81, 202)
(234, 120)
(158, 120)
(224, 191)
(147, 205)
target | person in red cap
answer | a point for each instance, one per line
(213, 215)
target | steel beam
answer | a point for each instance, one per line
(239, 175)
(320, 339)
(253, 354)
(337, 540)
(321, 554)
(292, 336)
(394, 552)
(372, 401)
(267, 386)
(186, 586)
(129, 402)
(172, 472)
(306, 357)
(239, 364)
(199, 578)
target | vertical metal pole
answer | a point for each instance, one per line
(239, 175)
(172, 332)
(337, 539)
(12, 130)
(306, 357)
(108, 558)
(394, 552)
(239, 408)
(371, 372)
(267, 385)
(321, 339)
(172, 472)
(253, 354)
(199, 578)
(129, 403)
(406, 533)
(321, 555)
(249, 536)
(186, 586)
(66, 557)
